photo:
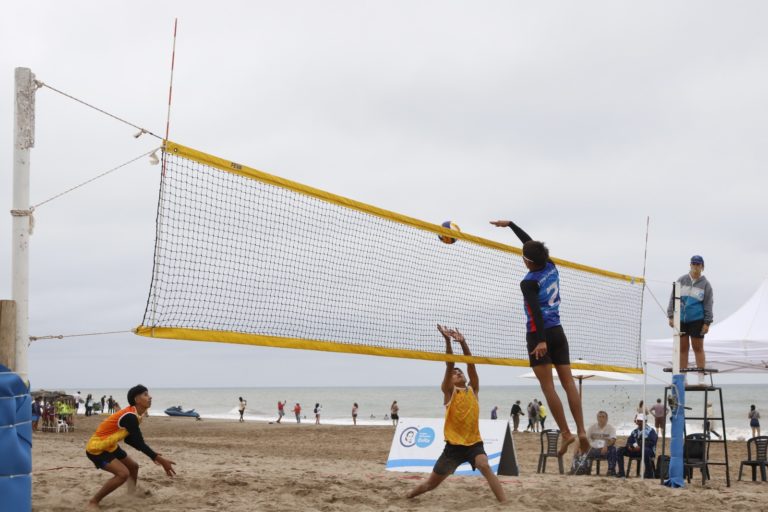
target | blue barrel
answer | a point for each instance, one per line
(15, 443)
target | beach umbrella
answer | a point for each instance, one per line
(582, 375)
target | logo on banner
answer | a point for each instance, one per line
(422, 437)
(425, 437)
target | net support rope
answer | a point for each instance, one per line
(242, 256)
(141, 131)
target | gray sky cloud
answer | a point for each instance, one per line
(577, 120)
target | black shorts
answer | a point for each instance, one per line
(455, 455)
(395, 417)
(692, 329)
(557, 347)
(105, 458)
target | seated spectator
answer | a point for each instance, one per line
(602, 439)
(634, 446)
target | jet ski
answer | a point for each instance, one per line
(178, 411)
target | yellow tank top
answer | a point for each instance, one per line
(109, 432)
(462, 418)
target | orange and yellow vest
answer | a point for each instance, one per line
(109, 432)
(462, 418)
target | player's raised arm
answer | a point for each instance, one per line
(447, 385)
(474, 380)
(522, 235)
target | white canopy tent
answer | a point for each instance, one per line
(582, 375)
(738, 343)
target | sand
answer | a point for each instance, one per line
(231, 466)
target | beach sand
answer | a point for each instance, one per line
(231, 466)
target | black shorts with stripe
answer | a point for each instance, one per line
(104, 458)
(557, 347)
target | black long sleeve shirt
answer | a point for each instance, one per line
(130, 422)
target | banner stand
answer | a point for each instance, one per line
(418, 443)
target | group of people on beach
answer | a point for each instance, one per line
(547, 347)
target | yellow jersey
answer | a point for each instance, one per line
(109, 433)
(462, 418)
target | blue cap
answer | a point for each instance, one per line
(697, 260)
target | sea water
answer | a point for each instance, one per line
(619, 401)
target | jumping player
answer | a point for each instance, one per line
(102, 449)
(462, 424)
(547, 344)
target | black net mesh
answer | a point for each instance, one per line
(236, 254)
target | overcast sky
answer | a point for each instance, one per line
(575, 119)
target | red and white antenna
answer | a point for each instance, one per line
(170, 86)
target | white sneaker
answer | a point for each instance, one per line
(702, 379)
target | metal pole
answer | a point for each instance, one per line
(676, 334)
(677, 440)
(23, 141)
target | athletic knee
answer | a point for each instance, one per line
(482, 466)
(122, 475)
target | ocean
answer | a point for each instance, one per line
(619, 401)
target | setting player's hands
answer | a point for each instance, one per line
(501, 223)
(444, 331)
(166, 463)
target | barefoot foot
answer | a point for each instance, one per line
(568, 439)
(584, 444)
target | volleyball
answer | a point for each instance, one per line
(450, 225)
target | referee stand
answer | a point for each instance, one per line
(697, 447)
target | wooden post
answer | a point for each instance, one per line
(8, 333)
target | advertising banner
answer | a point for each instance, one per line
(418, 443)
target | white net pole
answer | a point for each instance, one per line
(23, 141)
(676, 335)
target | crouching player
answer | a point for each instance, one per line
(462, 424)
(102, 449)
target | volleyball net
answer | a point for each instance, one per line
(242, 256)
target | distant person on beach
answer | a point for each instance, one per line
(297, 412)
(641, 409)
(495, 412)
(241, 408)
(37, 412)
(696, 315)
(317, 410)
(516, 412)
(533, 412)
(462, 424)
(602, 439)
(354, 413)
(78, 400)
(281, 409)
(634, 446)
(394, 413)
(659, 412)
(754, 420)
(542, 415)
(103, 403)
(111, 405)
(546, 341)
(105, 453)
(88, 404)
